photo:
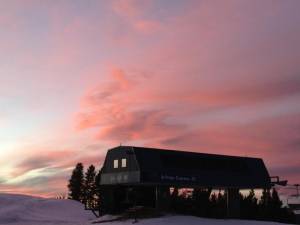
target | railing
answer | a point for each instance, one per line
(276, 181)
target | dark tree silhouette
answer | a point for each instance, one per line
(275, 201)
(275, 205)
(98, 195)
(201, 200)
(265, 198)
(264, 208)
(75, 185)
(249, 207)
(90, 187)
(174, 198)
(221, 205)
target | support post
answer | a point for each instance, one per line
(162, 198)
(233, 203)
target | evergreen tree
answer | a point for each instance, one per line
(251, 196)
(75, 185)
(265, 212)
(275, 205)
(249, 208)
(221, 204)
(98, 190)
(213, 206)
(174, 200)
(201, 200)
(90, 187)
(275, 201)
(265, 198)
(175, 193)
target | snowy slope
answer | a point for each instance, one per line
(27, 210)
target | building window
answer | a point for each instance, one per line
(124, 162)
(116, 163)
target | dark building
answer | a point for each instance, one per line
(128, 171)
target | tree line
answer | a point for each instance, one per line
(205, 203)
(85, 186)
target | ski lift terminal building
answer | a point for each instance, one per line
(154, 171)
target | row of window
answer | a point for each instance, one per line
(123, 163)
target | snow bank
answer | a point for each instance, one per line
(28, 210)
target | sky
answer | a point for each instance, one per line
(79, 77)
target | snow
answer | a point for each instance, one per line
(28, 210)
(190, 220)
(293, 200)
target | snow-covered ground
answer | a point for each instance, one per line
(27, 210)
(190, 220)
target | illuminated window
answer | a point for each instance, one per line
(116, 163)
(124, 162)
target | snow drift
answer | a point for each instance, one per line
(28, 210)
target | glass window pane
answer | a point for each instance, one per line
(116, 163)
(124, 162)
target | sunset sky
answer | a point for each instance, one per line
(78, 77)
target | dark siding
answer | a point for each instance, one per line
(158, 166)
(120, 175)
(120, 153)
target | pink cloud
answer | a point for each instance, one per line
(46, 158)
(133, 12)
(139, 125)
(51, 171)
(145, 115)
(147, 26)
(128, 8)
(273, 139)
(201, 75)
(220, 81)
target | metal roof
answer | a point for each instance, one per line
(182, 168)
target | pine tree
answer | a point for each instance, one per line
(98, 196)
(201, 200)
(213, 199)
(213, 205)
(90, 187)
(251, 196)
(221, 204)
(275, 200)
(75, 185)
(264, 206)
(249, 208)
(265, 198)
(174, 199)
(275, 205)
(175, 193)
